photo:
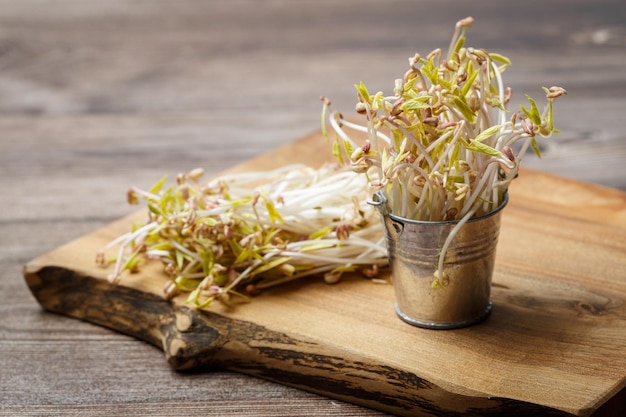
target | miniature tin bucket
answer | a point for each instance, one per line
(414, 247)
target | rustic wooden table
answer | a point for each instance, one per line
(96, 96)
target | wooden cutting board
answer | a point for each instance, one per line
(555, 343)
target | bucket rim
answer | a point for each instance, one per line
(383, 200)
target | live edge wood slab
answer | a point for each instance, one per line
(555, 343)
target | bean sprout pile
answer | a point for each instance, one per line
(441, 148)
(242, 233)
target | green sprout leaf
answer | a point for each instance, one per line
(500, 58)
(485, 134)
(532, 113)
(158, 185)
(273, 213)
(464, 108)
(270, 265)
(471, 78)
(417, 103)
(535, 147)
(476, 146)
(324, 231)
(459, 44)
(362, 91)
(337, 152)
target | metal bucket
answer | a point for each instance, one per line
(414, 247)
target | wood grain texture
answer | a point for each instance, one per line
(96, 96)
(554, 345)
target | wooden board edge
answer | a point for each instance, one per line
(197, 340)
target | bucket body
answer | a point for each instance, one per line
(414, 248)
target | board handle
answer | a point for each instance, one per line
(189, 339)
